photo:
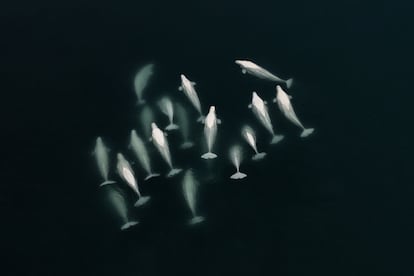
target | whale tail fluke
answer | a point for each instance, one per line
(289, 83)
(187, 145)
(151, 175)
(142, 201)
(196, 220)
(276, 139)
(209, 155)
(173, 172)
(238, 175)
(259, 156)
(107, 182)
(172, 127)
(306, 132)
(128, 225)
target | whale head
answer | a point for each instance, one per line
(183, 78)
(281, 96)
(211, 117)
(242, 63)
(99, 140)
(257, 101)
(255, 97)
(245, 63)
(278, 89)
(153, 126)
(280, 93)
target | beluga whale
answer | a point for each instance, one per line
(210, 132)
(127, 174)
(136, 144)
(119, 208)
(283, 101)
(190, 188)
(182, 117)
(250, 137)
(236, 158)
(253, 69)
(102, 160)
(260, 111)
(167, 108)
(187, 87)
(161, 143)
(141, 81)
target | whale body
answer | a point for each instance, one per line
(210, 133)
(102, 160)
(260, 111)
(283, 101)
(161, 143)
(188, 88)
(253, 69)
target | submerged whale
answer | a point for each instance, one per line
(283, 101)
(102, 160)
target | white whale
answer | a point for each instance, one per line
(236, 158)
(119, 207)
(257, 71)
(167, 108)
(188, 88)
(283, 101)
(260, 111)
(190, 186)
(137, 146)
(141, 81)
(161, 143)
(250, 137)
(127, 174)
(102, 160)
(210, 132)
(182, 117)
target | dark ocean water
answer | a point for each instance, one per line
(337, 203)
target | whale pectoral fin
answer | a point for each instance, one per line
(165, 134)
(265, 102)
(219, 121)
(150, 139)
(275, 100)
(249, 106)
(244, 71)
(290, 97)
(180, 88)
(193, 83)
